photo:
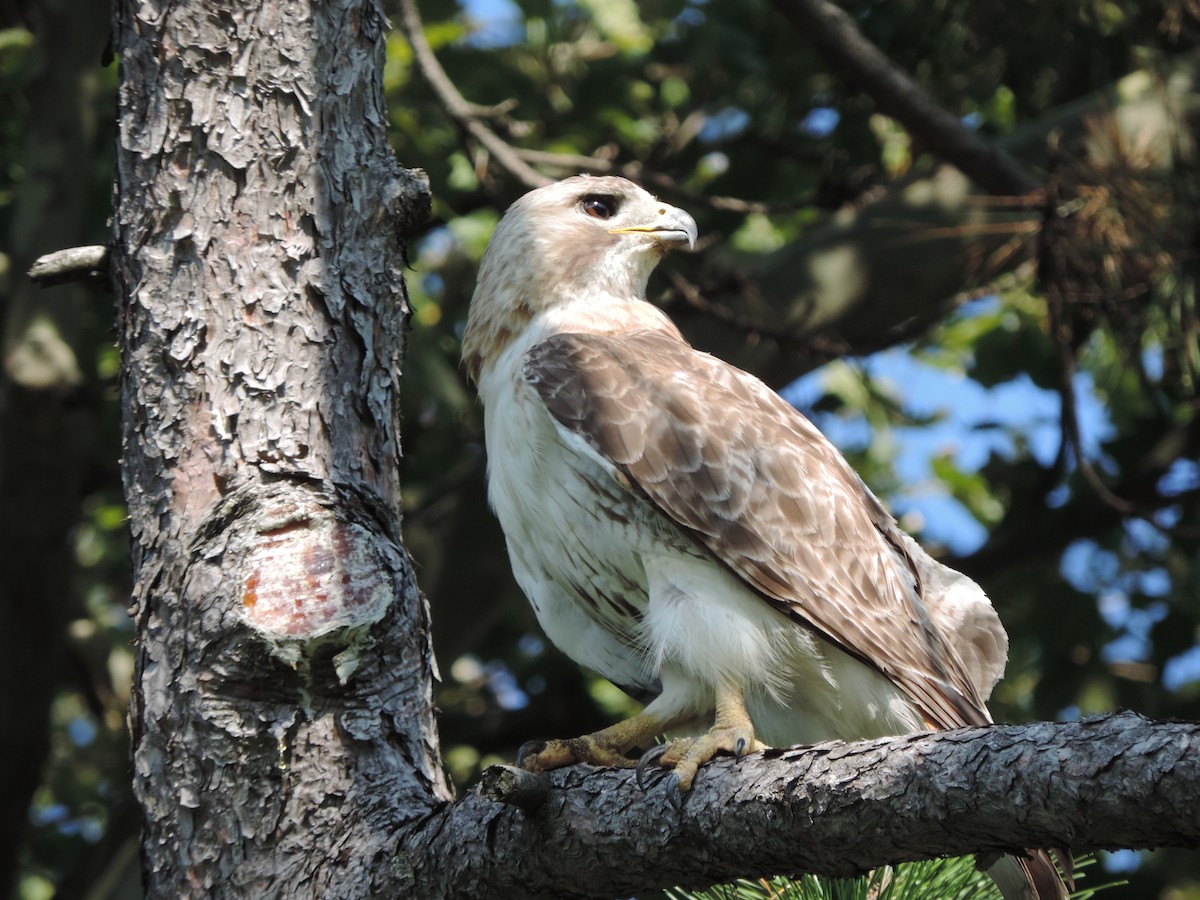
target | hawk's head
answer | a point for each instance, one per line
(569, 242)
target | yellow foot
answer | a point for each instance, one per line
(732, 733)
(604, 748)
(542, 756)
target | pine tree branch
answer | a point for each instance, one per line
(833, 809)
(838, 39)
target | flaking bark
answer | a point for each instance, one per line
(258, 244)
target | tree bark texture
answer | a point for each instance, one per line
(282, 717)
(833, 809)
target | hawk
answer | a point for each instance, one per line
(683, 531)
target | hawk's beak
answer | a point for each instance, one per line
(673, 226)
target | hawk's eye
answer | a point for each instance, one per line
(599, 206)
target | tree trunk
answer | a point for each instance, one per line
(282, 716)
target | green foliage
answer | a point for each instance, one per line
(721, 97)
(934, 879)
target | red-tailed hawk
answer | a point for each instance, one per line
(683, 531)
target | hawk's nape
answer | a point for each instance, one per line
(683, 531)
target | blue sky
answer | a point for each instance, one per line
(973, 423)
(499, 23)
(1126, 593)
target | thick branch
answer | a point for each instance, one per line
(836, 809)
(835, 35)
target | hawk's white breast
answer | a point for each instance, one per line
(624, 592)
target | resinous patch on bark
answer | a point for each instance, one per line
(309, 575)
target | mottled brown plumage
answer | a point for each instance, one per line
(763, 492)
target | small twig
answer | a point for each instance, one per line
(1070, 425)
(697, 301)
(838, 39)
(516, 787)
(818, 349)
(569, 161)
(1072, 439)
(73, 264)
(1053, 238)
(466, 114)
(1023, 273)
(726, 204)
(497, 111)
(1031, 202)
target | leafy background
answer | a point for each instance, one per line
(931, 330)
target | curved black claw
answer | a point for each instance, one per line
(529, 748)
(741, 748)
(652, 755)
(674, 795)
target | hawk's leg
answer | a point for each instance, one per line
(606, 747)
(732, 732)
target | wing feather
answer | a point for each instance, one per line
(755, 483)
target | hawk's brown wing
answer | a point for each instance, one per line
(754, 482)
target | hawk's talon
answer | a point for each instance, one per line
(529, 748)
(600, 749)
(654, 754)
(740, 748)
(674, 793)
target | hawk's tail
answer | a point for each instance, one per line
(1031, 876)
